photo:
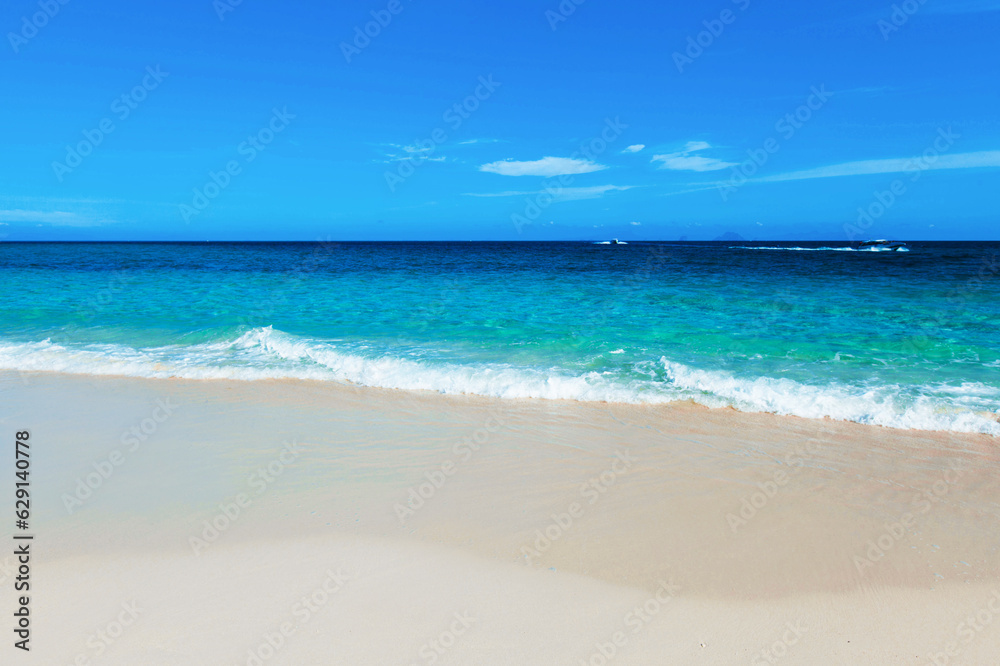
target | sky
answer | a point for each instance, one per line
(517, 120)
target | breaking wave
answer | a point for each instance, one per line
(265, 353)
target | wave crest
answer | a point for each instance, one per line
(820, 249)
(265, 353)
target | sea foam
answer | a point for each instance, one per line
(265, 353)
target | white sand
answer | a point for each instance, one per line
(794, 579)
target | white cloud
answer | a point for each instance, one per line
(676, 162)
(634, 149)
(560, 193)
(409, 150)
(692, 146)
(506, 193)
(636, 224)
(54, 218)
(414, 153)
(545, 167)
(576, 193)
(985, 158)
(685, 161)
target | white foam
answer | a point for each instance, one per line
(875, 405)
(821, 249)
(264, 353)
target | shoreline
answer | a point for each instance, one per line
(322, 384)
(553, 505)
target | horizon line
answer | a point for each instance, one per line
(584, 240)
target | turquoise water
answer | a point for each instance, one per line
(900, 339)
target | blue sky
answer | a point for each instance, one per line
(204, 120)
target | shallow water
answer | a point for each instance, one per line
(901, 339)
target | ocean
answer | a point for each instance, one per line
(904, 339)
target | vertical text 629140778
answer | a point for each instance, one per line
(22, 541)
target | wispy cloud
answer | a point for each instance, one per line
(419, 158)
(415, 153)
(985, 158)
(634, 149)
(52, 218)
(577, 193)
(545, 167)
(560, 194)
(472, 141)
(505, 193)
(684, 161)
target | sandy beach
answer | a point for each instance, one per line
(216, 522)
(500, 334)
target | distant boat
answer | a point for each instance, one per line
(882, 244)
(613, 241)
